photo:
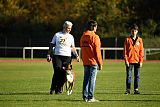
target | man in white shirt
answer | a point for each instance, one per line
(63, 43)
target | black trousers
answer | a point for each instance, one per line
(59, 73)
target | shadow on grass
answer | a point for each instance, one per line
(134, 100)
(70, 99)
(24, 93)
(73, 100)
(149, 94)
(109, 93)
(40, 100)
(47, 93)
(131, 94)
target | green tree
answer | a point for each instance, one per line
(12, 8)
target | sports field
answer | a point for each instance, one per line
(28, 83)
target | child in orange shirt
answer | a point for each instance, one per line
(133, 56)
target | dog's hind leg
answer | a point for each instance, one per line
(71, 87)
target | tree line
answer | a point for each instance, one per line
(32, 18)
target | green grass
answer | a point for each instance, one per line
(28, 84)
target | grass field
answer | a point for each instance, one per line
(27, 84)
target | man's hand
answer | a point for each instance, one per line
(48, 58)
(127, 63)
(78, 59)
(140, 64)
(100, 67)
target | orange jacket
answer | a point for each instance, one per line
(133, 54)
(90, 49)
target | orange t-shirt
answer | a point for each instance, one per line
(133, 53)
(90, 49)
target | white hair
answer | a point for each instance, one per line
(67, 23)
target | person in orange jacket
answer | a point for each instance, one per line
(92, 59)
(133, 56)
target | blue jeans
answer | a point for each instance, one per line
(129, 75)
(90, 73)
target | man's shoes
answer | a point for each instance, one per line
(58, 92)
(93, 100)
(127, 92)
(52, 92)
(136, 92)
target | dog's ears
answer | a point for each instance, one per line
(67, 67)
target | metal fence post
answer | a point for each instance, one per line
(31, 53)
(23, 53)
(144, 54)
(103, 54)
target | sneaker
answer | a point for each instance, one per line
(67, 92)
(85, 100)
(127, 92)
(52, 92)
(93, 100)
(136, 92)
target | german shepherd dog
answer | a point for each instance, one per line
(69, 79)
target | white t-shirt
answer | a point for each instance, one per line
(63, 43)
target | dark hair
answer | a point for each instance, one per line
(92, 24)
(134, 26)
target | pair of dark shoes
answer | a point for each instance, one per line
(56, 92)
(135, 92)
(52, 92)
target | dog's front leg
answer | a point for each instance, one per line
(72, 84)
(67, 87)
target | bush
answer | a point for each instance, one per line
(153, 57)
